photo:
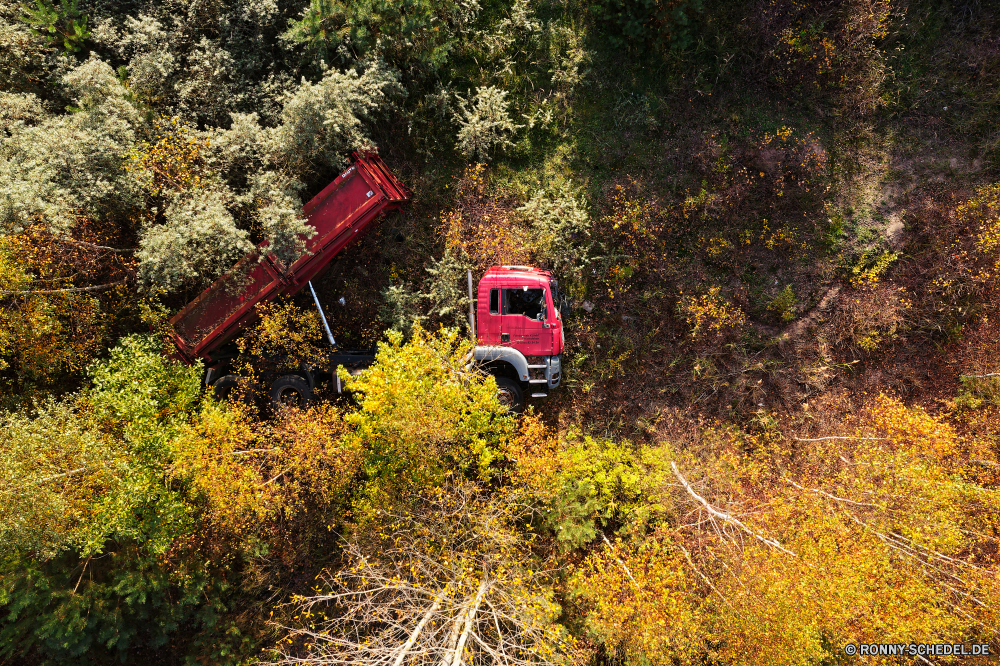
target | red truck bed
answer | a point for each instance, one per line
(341, 213)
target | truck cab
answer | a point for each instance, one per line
(519, 331)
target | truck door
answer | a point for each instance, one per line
(522, 324)
(488, 316)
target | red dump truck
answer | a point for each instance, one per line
(519, 334)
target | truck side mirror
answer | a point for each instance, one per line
(540, 316)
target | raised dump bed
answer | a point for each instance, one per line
(341, 214)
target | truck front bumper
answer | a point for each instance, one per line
(553, 370)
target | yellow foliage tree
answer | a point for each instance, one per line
(49, 329)
(252, 475)
(450, 581)
(173, 163)
(286, 337)
(424, 414)
(784, 550)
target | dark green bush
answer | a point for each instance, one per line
(660, 25)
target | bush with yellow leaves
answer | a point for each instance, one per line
(784, 548)
(710, 313)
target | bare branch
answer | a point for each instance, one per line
(459, 649)
(448, 579)
(275, 478)
(244, 452)
(703, 576)
(834, 497)
(619, 561)
(725, 516)
(83, 571)
(420, 627)
(51, 478)
(820, 439)
(95, 246)
(28, 292)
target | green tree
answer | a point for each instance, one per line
(411, 34)
(423, 415)
(57, 23)
(98, 554)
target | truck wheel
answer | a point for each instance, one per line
(290, 391)
(510, 395)
(224, 386)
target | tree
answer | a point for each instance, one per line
(99, 558)
(256, 482)
(416, 34)
(484, 123)
(448, 581)
(54, 466)
(804, 551)
(423, 415)
(50, 327)
(64, 168)
(63, 23)
(198, 242)
(322, 122)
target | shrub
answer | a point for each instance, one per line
(198, 242)
(253, 479)
(643, 24)
(484, 123)
(866, 271)
(783, 305)
(53, 464)
(138, 383)
(982, 213)
(18, 110)
(173, 164)
(837, 46)
(402, 308)
(867, 319)
(206, 89)
(560, 230)
(446, 290)
(709, 312)
(483, 226)
(978, 390)
(146, 45)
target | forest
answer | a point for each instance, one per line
(777, 227)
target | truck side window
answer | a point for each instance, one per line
(494, 301)
(527, 302)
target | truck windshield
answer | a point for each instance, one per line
(527, 302)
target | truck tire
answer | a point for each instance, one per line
(510, 395)
(290, 391)
(225, 386)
